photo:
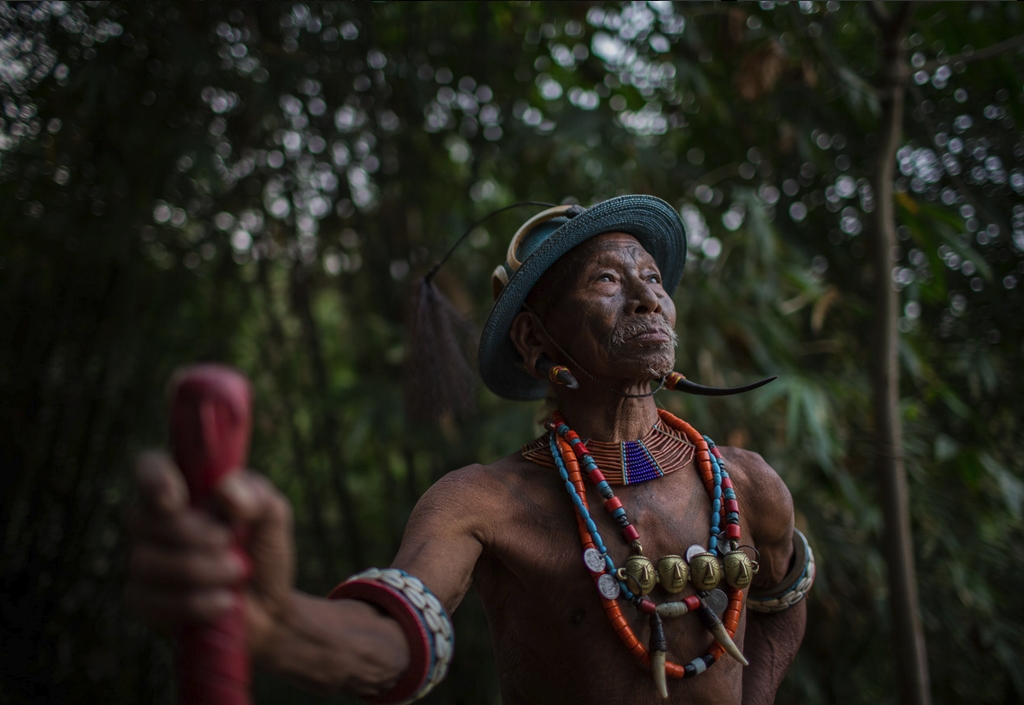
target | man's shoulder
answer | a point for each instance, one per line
(762, 494)
(757, 483)
(481, 498)
(749, 467)
(508, 474)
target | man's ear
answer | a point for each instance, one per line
(525, 336)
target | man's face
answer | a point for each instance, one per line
(610, 311)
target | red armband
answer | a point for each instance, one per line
(423, 619)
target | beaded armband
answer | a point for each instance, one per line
(792, 588)
(423, 619)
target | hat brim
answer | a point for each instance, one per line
(652, 221)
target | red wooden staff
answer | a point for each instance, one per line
(210, 424)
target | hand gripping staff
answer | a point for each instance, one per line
(210, 423)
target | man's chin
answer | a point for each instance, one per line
(662, 361)
(654, 366)
(659, 372)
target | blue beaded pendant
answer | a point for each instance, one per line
(638, 465)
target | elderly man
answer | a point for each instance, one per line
(620, 557)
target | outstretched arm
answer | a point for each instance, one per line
(440, 548)
(182, 569)
(329, 646)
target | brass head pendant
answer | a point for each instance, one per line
(673, 573)
(705, 571)
(739, 569)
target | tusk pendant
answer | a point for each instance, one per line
(714, 625)
(657, 651)
(658, 670)
(723, 638)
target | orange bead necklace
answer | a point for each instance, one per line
(570, 453)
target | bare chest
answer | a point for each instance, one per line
(539, 541)
(544, 607)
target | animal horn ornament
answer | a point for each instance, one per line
(657, 650)
(679, 383)
(558, 374)
(714, 625)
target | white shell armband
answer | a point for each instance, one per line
(423, 619)
(792, 588)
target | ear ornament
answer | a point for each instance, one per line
(558, 374)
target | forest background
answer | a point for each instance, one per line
(262, 184)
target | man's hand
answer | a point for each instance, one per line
(182, 567)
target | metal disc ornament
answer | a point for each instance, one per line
(694, 550)
(716, 600)
(608, 587)
(593, 560)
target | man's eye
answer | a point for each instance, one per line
(605, 277)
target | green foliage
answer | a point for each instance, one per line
(260, 184)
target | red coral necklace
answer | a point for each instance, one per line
(704, 568)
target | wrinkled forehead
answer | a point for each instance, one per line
(606, 247)
(615, 242)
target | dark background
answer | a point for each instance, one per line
(261, 184)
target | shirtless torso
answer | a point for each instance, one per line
(508, 529)
(552, 640)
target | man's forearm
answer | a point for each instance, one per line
(770, 645)
(335, 645)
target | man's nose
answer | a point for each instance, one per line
(643, 296)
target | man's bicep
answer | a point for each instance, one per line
(442, 540)
(768, 506)
(775, 545)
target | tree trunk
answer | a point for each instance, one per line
(911, 658)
